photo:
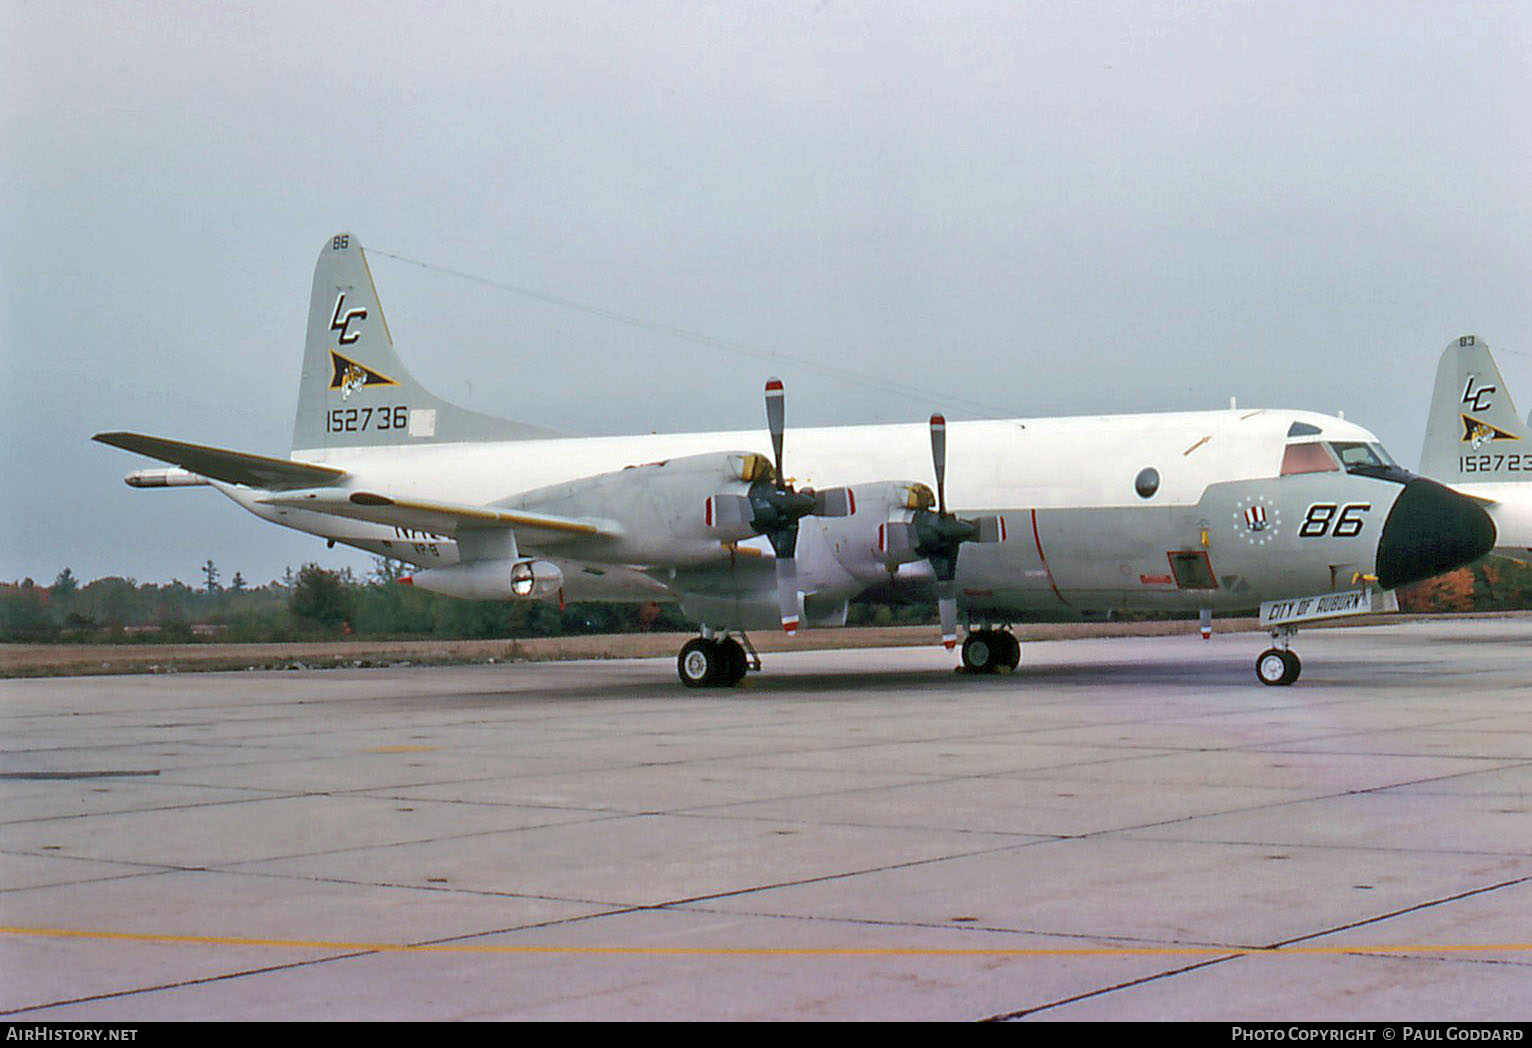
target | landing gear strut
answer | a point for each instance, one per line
(716, 662)
(1279, 666)
(990, 651)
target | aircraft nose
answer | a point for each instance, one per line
(1431, 529)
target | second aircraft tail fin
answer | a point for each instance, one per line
(1473, 432)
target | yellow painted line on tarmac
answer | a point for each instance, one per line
(767, 951)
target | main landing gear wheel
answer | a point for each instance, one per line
(1277, 666)
(735, 662)
(990, 651)
(705, 662)
(698, 663)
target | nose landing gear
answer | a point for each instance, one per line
(1279, 666)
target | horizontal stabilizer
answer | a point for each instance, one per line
(445, 518)
(231, 467)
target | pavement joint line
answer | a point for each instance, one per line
(181, 984)
(1103, 990)
(770, 951)
(1426, 905)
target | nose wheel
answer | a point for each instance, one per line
(1279, 666)
(1276, 667)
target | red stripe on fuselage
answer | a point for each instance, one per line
(1037, 540)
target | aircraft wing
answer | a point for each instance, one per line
(232, 467)
(447, 518)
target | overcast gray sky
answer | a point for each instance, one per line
(1040, 208)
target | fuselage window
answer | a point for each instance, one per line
(1307, 458)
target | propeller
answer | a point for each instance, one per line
(773, 508)
(938, 534)
(778, 508)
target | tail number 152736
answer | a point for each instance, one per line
(360, 420)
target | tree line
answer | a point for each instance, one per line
(316, 603)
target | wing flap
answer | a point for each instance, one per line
(231, 467)
(446, 518)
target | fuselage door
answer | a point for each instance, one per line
(1192, 569)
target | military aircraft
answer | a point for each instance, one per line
(1478, 445)
(1208, 511)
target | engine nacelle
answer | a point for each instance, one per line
(492, 579)
(859, 543)
(837, 557)
(659, 510)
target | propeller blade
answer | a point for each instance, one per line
(775, 421)
(897, 542)
(939, 458)
(946, 602)
(990, 529)
(728, 516)
(834, 502)
(787, 593)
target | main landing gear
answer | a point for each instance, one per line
(990, 651)
(716, 662)
(1279, 666)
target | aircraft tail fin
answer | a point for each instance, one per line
(1473, 432)
(355, 391)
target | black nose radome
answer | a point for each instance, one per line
(1431, 529)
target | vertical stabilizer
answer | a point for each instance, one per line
(1473, 433)
(355, 391)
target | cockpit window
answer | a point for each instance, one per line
(1307, 458)
(1358, 457)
